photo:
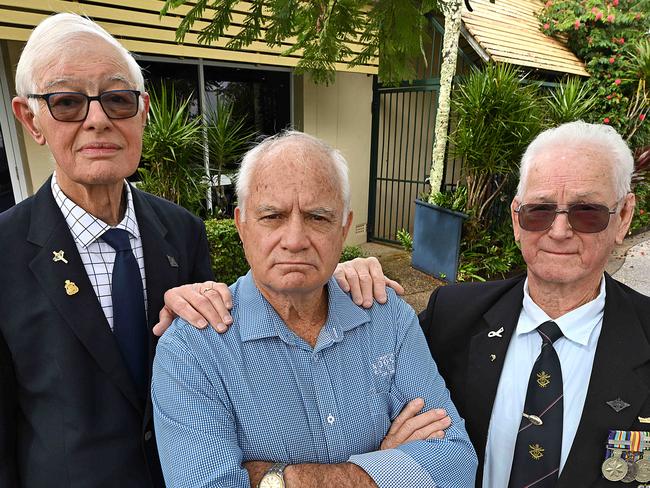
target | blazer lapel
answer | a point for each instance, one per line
(622, 348)
(487, 352)
(80, 310)
(162, 263)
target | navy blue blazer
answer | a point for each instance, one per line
(456, 323)
(69, 412)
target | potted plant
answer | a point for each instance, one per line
(497, 116)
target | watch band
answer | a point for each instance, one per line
(277, 468)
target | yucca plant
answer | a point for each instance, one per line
(570, 100)
(498, 116)
(172, 151)
(228, 139)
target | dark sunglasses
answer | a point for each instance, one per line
(583, 217)
(74, 106)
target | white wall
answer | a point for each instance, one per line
(341, 115)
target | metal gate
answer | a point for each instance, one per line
(403, 119)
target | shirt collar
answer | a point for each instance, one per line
(576, 325)
(85, 227)
(258, 319)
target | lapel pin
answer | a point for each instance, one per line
(493, 357)
(644, 420)
(496, 333)
(618, 404)
(172, 261)
(58, 256)
(71, 288)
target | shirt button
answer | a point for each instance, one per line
(148, 435)
(330, 419)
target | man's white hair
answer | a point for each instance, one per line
(51, 36)
(581, 134)
(307, 146)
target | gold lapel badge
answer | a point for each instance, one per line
(71, 288)
(58, 256)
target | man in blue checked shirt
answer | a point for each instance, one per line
(307, 389)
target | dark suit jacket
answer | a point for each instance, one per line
(69, 411)
(456, 323)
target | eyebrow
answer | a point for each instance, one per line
(322, 211)
(64, 81)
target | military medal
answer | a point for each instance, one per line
(643, 470)
(614, 468)
(632, 469)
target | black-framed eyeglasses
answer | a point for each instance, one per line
(74, 106)
(583, 217)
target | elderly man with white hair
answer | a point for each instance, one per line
(85, 264)
(306, 389)
(545, 368)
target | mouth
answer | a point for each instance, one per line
(99, 149)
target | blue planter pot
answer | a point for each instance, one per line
(436, 240)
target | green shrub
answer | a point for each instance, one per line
(226, 250)
(405, 239)
(351, 252)
(641, 217)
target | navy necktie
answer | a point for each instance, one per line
(129, 319)
(536, 461)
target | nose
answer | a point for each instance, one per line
(561, 228)
(294, 236)
(96, 117)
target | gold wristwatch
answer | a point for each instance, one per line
(274, 477)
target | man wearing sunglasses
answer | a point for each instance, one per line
(85, 264)
(543, 366)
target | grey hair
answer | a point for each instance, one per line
(580, 133)
(47, 40)
(253, 157)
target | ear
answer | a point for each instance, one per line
(238, 221)
(348, 224)
(23, 113)
(626, 214)
(145, 110)
(515, 219)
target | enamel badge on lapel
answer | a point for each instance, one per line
(496, 333)
(71, 288)
(618, 404)
(58, 256)
(172, 261)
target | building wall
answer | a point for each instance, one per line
(38, 159)
(341, 115)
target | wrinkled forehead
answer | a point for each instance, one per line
(296, 168)
(576, 172)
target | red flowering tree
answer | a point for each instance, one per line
(611, 36)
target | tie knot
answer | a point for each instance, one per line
(550, 332)
(118, 239)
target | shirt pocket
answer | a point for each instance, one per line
(380, 413)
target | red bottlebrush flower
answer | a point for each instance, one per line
(610, 18)
(621, 41)
(641, 211)
(617, 81)
(611, 60)
(615, 3)
(549, 3)
(637, 16)
(609, 97)
(547, 26)
(594, 10)
(599, 15)
(606, 120)
(576, 24)
(641, 117)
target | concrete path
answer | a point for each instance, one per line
(634, 269)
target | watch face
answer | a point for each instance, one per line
(272, 480)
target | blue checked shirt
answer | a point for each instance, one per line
(260, 393)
